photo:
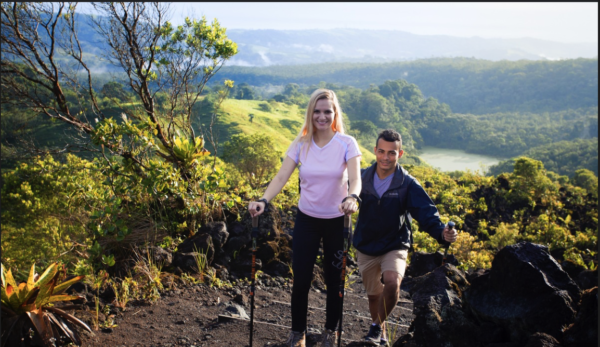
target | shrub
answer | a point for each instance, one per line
(470, 253)
(254, 156)
(506, 234)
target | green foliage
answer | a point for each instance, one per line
(422, 242)
(563, 157)
(254, 156)
(244, 92)
(546, 232)
(505, 235)
(46, 206)
(471, 254)
(587, 180)
(530, 184)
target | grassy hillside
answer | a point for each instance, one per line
(282, 123)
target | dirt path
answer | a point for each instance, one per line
(196, 316)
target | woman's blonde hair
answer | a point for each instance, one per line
(337, 125)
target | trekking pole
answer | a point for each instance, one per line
(450, 226)
(253, 273)
(347, 238)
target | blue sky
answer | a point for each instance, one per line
(562, 22)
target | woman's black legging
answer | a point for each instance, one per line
(308, 232)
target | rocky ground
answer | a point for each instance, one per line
(198, 315)
(526, 299)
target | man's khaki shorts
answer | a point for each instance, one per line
(371, 268)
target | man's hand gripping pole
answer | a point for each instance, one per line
(444, 260)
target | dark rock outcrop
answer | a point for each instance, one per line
(200, 243)
(269, 243)
(524, 300)
(525, 292)
(440, 319)
(584, 278)
(187, 261)
(218, 233)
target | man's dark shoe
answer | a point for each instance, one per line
(373, 338)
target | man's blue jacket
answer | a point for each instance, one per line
(384, 222)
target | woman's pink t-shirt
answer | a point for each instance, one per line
(324, 175)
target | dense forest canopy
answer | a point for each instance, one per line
(563, 157)
(467, 85)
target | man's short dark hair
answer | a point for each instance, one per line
(389, 135)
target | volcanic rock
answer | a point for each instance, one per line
(525, 292)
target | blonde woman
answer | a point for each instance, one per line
(329, 186)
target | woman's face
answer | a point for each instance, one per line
(323, 114)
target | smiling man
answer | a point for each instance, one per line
(390, 197)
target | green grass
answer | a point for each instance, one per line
(282, 124)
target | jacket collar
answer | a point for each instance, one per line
(397, 181)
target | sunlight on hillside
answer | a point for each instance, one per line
(283, 123)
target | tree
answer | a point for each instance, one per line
(155, 56)
(244, 92)
(586, 179)
(530, 184)
(151, 150)
(253, 155)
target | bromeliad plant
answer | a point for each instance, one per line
(33, 300)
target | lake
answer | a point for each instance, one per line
(456, 159)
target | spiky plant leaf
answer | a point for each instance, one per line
(47, 276)
(59, 289)
(13, 298)
(55, 298)
(45, 293)
(10, 280)
(37, 318)
(4, 296)
(3, 279)
(70, 318)
(65, 328)
(31, 278)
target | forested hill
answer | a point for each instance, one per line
(466, 85)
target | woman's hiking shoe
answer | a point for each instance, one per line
(384, 342)
(296, 339)
(373, 338)
(328, 338)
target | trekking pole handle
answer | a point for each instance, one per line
(450, 226)
(255, 224)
